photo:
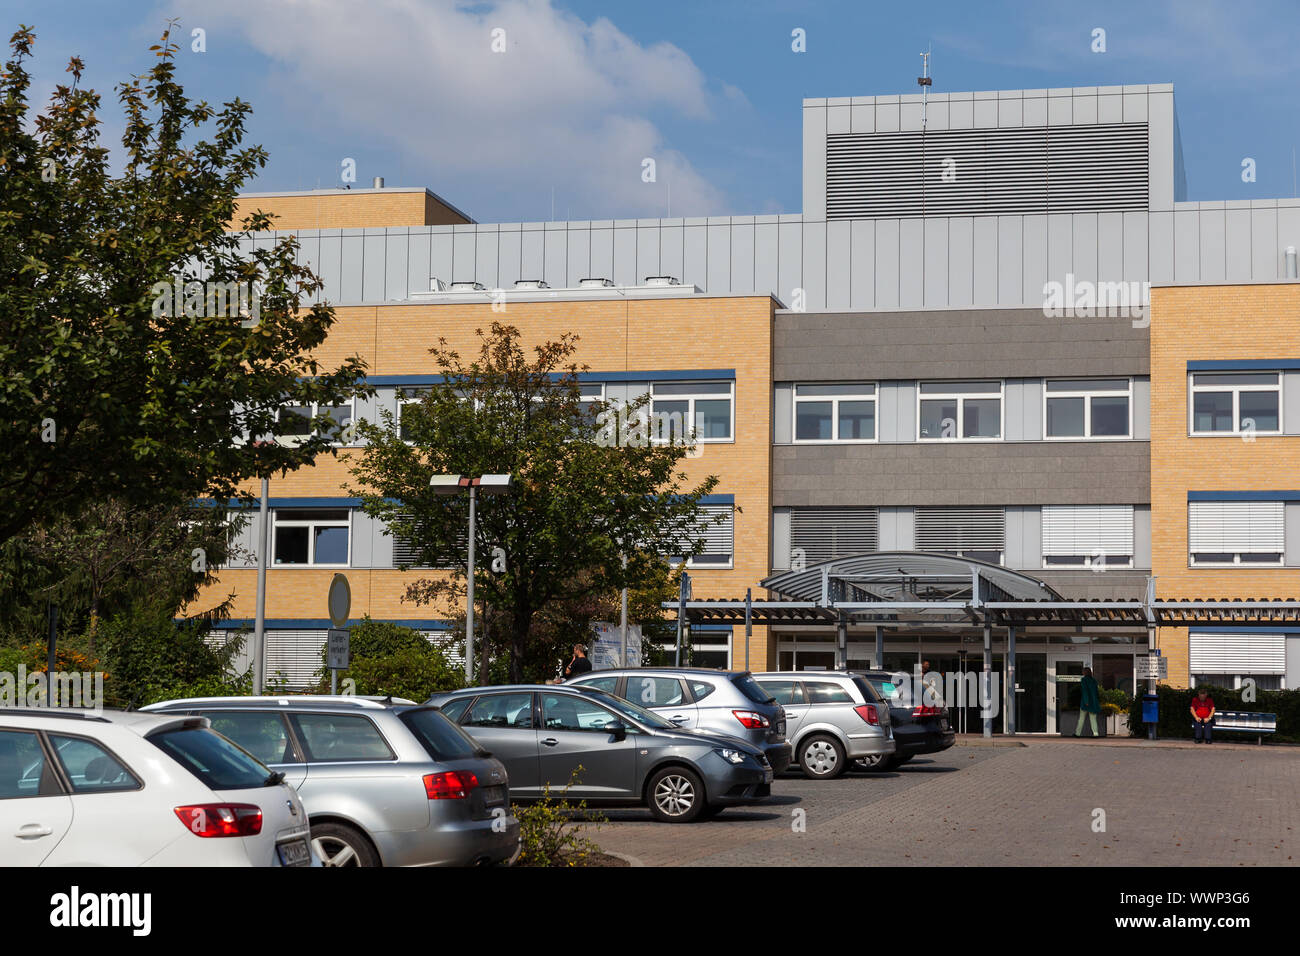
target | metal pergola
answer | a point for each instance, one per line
(903, 591)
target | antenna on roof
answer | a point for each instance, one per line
(924, 81)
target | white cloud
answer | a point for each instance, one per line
(569, 105)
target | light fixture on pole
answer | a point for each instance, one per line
(488, 485)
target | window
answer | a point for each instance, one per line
(608, 684)
(263, 735)
(23, 769)
(1229, 403)
(567, 712)
(91, 768)
(1234, 656)
(719, 537)
(654, 691)
(825, 692)
(215, 761)
(678, 408)
(784, 692)
(296, 421)
(1088, 408)
(454, 708)
(976, 533)
(820, 534)
(960, 411)
(591, 400)
(441, 739)
(331, 738)
(309, 536)
(1088, 536)
(824, 413)
(701, 689)
(501, 710)
(408, 395)
(1236, 532)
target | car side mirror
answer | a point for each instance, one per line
(617, 729)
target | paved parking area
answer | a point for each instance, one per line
(1037, 805)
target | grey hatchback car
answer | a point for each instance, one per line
(725, 702)
(383, 783)
(833, 718)
(628, 755)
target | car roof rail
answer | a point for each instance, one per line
(286, 700)
(64, 712)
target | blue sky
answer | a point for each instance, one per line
(584, 91)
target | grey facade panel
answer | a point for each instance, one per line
(862, 249)
(1266, 252)
(487, 260)
(1024, 538)
(766, 255)
(812, 260)
(363, 532)
(1142, 537)
(508, 257)
(556, 257)
(1291, 532)
(417, 274)
(961, 473)
(1187, 245)
(695, 254)
(1160, 246)
(742, 256)
(953, 344)
(790, 264)
(780, 558)
(464, 268)
(601, 253)
(896, 411)
(1237, 240)
(897, 529)
(936, 260)
(1122, 585)
(887, 263)
(624, 256)
(352, 279)
(911, 251)
(1213, 227)
(579, 255)
(1291, 403)
(1110, 247)
(1023, 410)
(783, 413)
(1142, 409)
(961, 262)
(1011, 263)
(440, 255)
(986, 262)
(839, 265)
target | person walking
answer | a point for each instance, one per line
(1203, 715)
(1089, 702)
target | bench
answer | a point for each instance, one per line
(1246, 722)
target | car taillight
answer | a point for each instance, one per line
(221, 819)
(868, 713)
(452, 785)
(926, 711)
(752, 720)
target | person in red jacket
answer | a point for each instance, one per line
(1203, 715)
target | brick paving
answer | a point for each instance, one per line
(1006, 806)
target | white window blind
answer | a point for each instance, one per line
(1238, 654)
(961, 529)
(1071, 530)
(719, 536)
(1228, 527)
(294, 656)
(826, 533)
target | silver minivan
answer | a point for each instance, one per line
(384, 783)
(697, 698)
(832, 718)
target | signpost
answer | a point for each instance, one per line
(338, 651)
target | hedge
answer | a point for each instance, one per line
(1176, 718)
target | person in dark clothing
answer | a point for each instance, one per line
(1203, 715)
(579, 664)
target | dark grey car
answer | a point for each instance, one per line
(725, 702)
(544, 733)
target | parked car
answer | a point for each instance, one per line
(832, 718)
(81, 788)
(919, 728)
(384, 783)
(726, 702)
(627, 754)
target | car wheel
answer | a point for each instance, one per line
(339, 845)
(821, 757)
(675, 795)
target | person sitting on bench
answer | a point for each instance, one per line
(1203, 715)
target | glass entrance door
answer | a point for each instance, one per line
(1064, 692)
(1031, 693)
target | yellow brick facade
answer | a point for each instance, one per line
(346, 209)
(1221, 322)
(614, 335)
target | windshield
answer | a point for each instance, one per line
(869, 691)
(628, 709)
(220, 764)
(441, 739)
(753, 690)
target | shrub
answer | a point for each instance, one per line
(548, 833)
(1176, 721)
(388, 659)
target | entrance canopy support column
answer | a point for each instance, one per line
(985, 690)
(1010, 695)
(842, 644)
(879, 660)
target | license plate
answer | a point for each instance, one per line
(494, 796)
(295, 853)
(943, 725)
(767, 776)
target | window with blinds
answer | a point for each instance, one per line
(294, 657)
(978, 533)
(719, 537)
(822, 534)
(1102, 167)
(1236, 532)
(1088, 536)
(406, 554)
(1237, 655)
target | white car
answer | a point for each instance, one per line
(131, 789)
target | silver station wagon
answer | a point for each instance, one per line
(832, 719)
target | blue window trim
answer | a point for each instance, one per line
(656, 375)
(356, 502)
(307, 624)
(1243, 365)
(1261, 629)
(1243, 496)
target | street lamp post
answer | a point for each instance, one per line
(490, 485)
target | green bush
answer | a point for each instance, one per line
(1176, 720)
(548, 835)
(388, 659)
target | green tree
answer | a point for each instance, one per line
(582, 496)
(109, 387)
